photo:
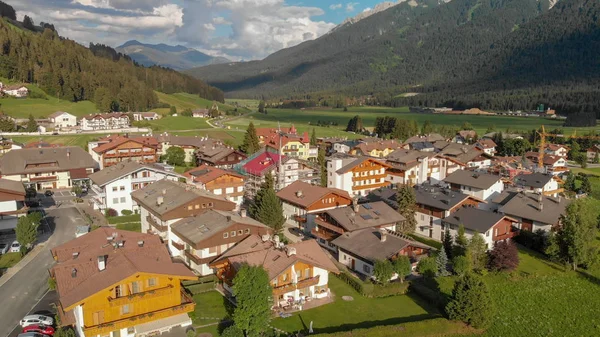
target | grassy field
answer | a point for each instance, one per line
(210, 308)
(40, 108)
(169, 123)
(67, 140)
(594, 179)
(184, 101)
(251, 104)
(540, 299)
(9, 259)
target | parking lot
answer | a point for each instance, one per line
(45, 307)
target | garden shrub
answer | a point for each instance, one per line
(126, 212)
(110, 212)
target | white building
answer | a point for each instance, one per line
(113, 185)
(357, 176)
(105, 121)
(533, 211)
(17, 90)
(415, 167)
(61, 119)
(547, 184)
(479, 185)
(12, 197)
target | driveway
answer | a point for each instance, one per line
(28, 286)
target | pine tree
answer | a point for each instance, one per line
(251, 144)
(442, 263)
(407, 207)
(586, 185)
(478, 252)
(471, 302)
(448, 242)
(261, 106)
(596, 159)
(460, 242)
(270, 211)
(28, 23)
(267, 184)
(313, 138)
(322, 165)
(570, 182)
(427, 128)
(32, 125)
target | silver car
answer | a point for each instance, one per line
(3, 248)
(36, 319)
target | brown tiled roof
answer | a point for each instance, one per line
(58, 113)
(461, 152)
(205, 173)
(367, 147)
(432, 137)
(467, 134)
(406, 159)
(555, 147)
(57, 159)
(369, 215)
(472, 179)
(486, 143)
(41, 144)
(309, 194)
(124, 168)
(115, 141)
(474, 219)
(549, 159)
(276, 260)
(78, 173)
(175, 194)
(12, 186)
(78, 277)
(367, 243)
(348, 167)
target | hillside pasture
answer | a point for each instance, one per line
(41, 108)
(184, 101)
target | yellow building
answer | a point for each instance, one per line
(293, 145)
(119, 283)
(375, 148)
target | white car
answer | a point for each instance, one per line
(36, 319)
(3, 248)
(15, 247)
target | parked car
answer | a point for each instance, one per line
(36, 320)
(48, 193)
(3, 248)
(32, 204)
(31, 334)
(15, 247)
(40, 328)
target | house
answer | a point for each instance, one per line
(110, 150)
(7, 145)
(218, 181)
(265, 134)
(300, 199)
(378, 148)
(202, 238)
(508, 167)
(105, 121)
(119, 283)
(298, 271)
(48, 168)
(431, 138)
(165, 202)
(487, 145)
(465, 137)
(113, 185)
(361, 249)
(544, 183)
(201, 113)
(415, 167)
(284, 170)
(551, 163)
(335, 222)
(145, 116)
(202, 150)
(534, 211)
(467, 156)
(40, 144)
(435, 203)
(420, 146)
(61, 119)
(557, 150)
(492, 226)
(336, 144)
(292, 145)
(357, 176)
(592, 153)
(12, 203)
(482, 186)
(17, 90)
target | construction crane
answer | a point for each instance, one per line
(543, 135)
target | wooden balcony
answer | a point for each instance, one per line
(198, 260)
(322, 223)
(187, 305)
(42, 178)
(371, 186)
(369, 177)
(505, 236)
(178, 245)
(156, 225)
(132, 298)
(300, 219)
(327, 236)
(300, 285)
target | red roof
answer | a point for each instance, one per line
(114, 141)
(269, 132)
(79, 173)
(205, 173)
(263, 162)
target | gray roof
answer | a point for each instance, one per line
(385, 194)
(527, 206)
(124, 168)
(367, 243)
(535, 180)
(369, 215)
(472, 179)
(438, 197)
(175, 194)
(432, 137)
(474, 219)
(12, 186)
(421, 146)
(461, 153)
(51, 159)
(406, 159)
(201, 227)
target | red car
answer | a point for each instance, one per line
(40, 328)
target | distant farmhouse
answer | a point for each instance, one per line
(16, 90)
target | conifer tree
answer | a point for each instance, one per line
(407, 207)
(267, 207)
(442, 263)
(570, 182)
(460, 242)
(478, 252)
(313, 138)
(448, 242)
(471, 302)
(253, 294)
(322, 166)
(251, 144)
(32, 125)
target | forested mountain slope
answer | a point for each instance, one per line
(402, 47)
(65, 69)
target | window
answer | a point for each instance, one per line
(123, 200)
(241, 232)
(151, 282)
(126, 309)
(135, 287)
(122, 188)
(345, 257)
(285, 277)
(366, 269)
(114, 188)
(275, 283)
(210, 204)
(136, 187)
(190, 207)
(247, 231)
(232, 234)
(118, 292)
(422, 217)
(115, 200)
(225, 235)
(203, 205)
(130, 331)
(197, 206)
(299, 274)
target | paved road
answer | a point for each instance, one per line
(27, 287)
(43, 307)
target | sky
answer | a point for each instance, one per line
(236, 29)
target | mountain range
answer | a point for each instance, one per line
(174, 57)
(497, 54)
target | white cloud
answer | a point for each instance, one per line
(367, 9)
(335, 6)
(350, 6)
(219, 20)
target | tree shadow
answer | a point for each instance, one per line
(372, 324)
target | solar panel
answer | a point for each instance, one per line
(367, 206)
(366, 216)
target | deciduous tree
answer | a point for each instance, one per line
(175, 156)
(27, 227)
(383, 271)
(32, 125)
(504, 256)
(172, 110)
(250, 144)
(407, 207)
(427, 267)
(253, 295)
(478, 252)
(461, 265)
(460, 242)
(402, 267)
(471, 302)
(427, 128)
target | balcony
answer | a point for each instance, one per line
(99, 191)
(178, 245)
(198, 260)
(156, 225)
(115, 302)
(505, 236)
(300, 219)
(369, 177)
(187, 305)
(371, 186)
(327, 236)
(42, 178)
(300, 285)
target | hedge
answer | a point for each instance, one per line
(361, 287)
(432, 296)
(390, 289)
(371, 290)
(202, 280)
(114, 220)
(429, 242)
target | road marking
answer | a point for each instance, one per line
(36, 303)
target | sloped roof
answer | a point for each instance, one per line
(79, 278)
(206, 173)
(348, 167)
(105, 115)
(309, 193)
(472, 179)
(263, 162)
(474, 219)
(117, 140)
(438, 197)
(380, 145)
(62, 158)
(432, 137)
(535, 180)
(527, 205)
(406, 159)
(124, 168)
(12, 186)
(59, 113)
(486, 143)
(371, 214)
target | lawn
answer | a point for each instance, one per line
(9, 259)
(170, 123)
(41, 108)
(184, 101)
(80, 140)
(130, 226)
(210, 308)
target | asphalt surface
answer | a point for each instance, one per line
(26, 291)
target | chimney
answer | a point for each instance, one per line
(73, 273)
(228, 217)
(382, 235)
(164, 191)
(68, 153)
(141, 243)
(355, 205)
(243, 212)
(299, 194)
(291, 251)
(159, 200)
(101, 262)
(75, 255)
